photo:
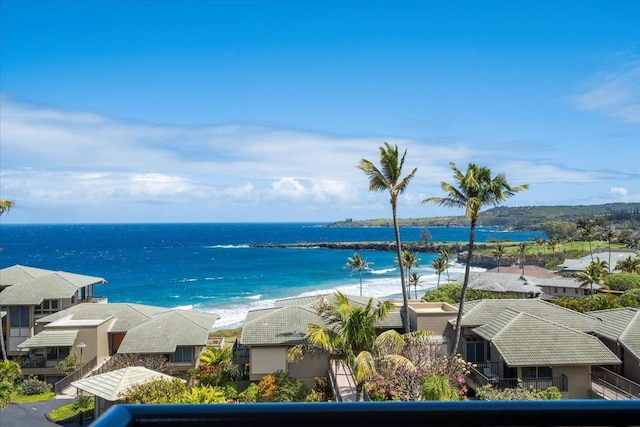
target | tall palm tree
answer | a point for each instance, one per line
(610, 236)
(439, 265)
(523, 248)
(409, 260)
(539, 242)
(348, 333)
(588, 232)
(389, 178)
(498, 253)
(358, 263)
(475, 189)
(5, 206)
(414, 278)
(552, 243)
(594, 273)
(445, 253)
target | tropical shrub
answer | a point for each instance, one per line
(487, 392)
(450, 293)
(10, 372)
(160, 390)
(68, 365)
(438, 387)
(631, 298)
(154, 362)
(33, 385)
(384, 387)
(623, 281)
(82, 403)
(204, 395)
(250, 395)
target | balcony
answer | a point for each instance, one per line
(486, 373)
(338, 414)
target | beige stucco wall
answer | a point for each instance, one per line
(309, 368)
(265, 360)
(578, 378)
(430, 316)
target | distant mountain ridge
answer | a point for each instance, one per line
(514, 218)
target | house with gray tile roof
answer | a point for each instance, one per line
(619, 329)
(110, 329)
(30, 293)
(574, 265)
(542, 353)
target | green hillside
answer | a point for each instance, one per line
(518, 218)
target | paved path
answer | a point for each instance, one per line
(30, 414)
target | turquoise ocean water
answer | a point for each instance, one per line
(212, 267)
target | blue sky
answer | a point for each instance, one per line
(215, 111)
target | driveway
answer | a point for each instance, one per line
(32, 414)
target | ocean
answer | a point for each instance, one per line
(213, 267)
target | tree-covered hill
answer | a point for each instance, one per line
(519, 218)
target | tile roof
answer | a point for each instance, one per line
(481, 312)
(20, 273)
(168, 330)
(111, 385)
(127, 315)
(283, 325)
(581, 263)
(523, 339)
(64, 338)
(55, 285)
(621, 325)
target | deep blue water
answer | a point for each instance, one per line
(211, 266)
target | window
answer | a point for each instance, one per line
(475, 349)
(19, 316)
(57, 353)
(182, 355)
(555, 290)
(576, 291)
(47, 306)
(536, 372)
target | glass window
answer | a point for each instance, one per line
(534, 372)
(19, 316)
(475, 352)
(181, 355)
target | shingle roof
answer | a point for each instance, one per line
(64, 338)
(284, 325)
(581, 263)
(20, 273)
(54, 285)
(111, 385)
(526, 340)
(164, 332)
(481, 312)
(621, 325)
(127, 315)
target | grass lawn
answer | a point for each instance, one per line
(19, 398)
(68, 411)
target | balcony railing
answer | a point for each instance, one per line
(478, 377)
(543, 413)
(611, 385)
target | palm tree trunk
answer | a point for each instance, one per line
(405, 298)
(463, 294)
(4, 350)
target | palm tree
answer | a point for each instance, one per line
(594, 273)
(610, 236)
(552, 243)
(588, 232)
(539, 242)
(498, 252)
(348, 333)
(414, 278)
(221, 359)
(475, 188)
(5, 206)
(439, 265)
(629, 265)
(389, 178)
(523, 248)
(445, 253)
(358, 263)
(409, 260)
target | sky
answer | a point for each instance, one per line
(259, 111)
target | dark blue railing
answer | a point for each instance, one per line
(337, 414)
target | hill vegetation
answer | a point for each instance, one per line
(624, 215)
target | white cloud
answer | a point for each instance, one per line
(621, 194)
(615, 94)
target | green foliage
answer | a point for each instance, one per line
(206, 394)
(384, 387)
(631, 298)
(160, 390)
(9, 371)
(438, 387)
(595, 302)
(623, 281)
(451, 292)
(33, 385)
(280, 387)
(68, 365)
(487, 392)
(84, 405)
(250, 395)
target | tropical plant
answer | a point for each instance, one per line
(217, 367)
(474, 189)
(609, 237)
(348, 333)
(389, 178)
(438, 387)
(159, 390)
(32, 385)
(445, 252)
(588, 232)
(498, 252)
(414, 279)
(439, 265)
(523, 248)
(623, 281)
(10, 372)
(155, 362)
(595, 273)
(68, 365)
(629, 265)
(487, 392)
(358, 264)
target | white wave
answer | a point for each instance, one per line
(184, 307)
(227, 247)
(214, 278)
(382, 271)
(191, 279)
(254, 297)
